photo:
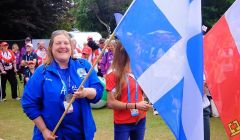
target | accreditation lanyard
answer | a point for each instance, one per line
(65, 88)
(128, 90)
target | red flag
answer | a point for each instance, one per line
(222, 68)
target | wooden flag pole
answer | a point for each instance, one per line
(83, 82)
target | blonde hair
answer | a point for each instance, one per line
(119, 66)
(112, 42)
(49, 49)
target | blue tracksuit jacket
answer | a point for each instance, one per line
(43, 97)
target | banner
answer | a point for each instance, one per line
(222, 68)
(164, 42)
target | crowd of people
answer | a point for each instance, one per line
(22, 61)
(64, 66)
(19, 61)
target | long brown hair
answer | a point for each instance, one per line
(49, 49)
(120, 66)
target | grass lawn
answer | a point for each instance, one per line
(14, 125)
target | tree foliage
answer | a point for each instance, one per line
(36, 18)
(90, 11)
(98, 15)
(213, 9)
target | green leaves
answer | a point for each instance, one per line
(212, 10)
(35, 18)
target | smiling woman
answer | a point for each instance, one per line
(61, 49)
(46, 105)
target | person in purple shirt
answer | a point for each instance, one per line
(107, 58)
(15, 50)
(23, 49)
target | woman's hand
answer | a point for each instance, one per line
(143, 105)
(47, 134)
(90, 93)
(80, 94)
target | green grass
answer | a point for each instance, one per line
(14, 125)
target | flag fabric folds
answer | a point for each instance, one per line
(118, 17)
(164, 42)
(222, 68)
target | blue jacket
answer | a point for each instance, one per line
(42, 97)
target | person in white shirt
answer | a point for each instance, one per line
(76, 50)
(41, 52)
(8, 71)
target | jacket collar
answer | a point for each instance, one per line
(54, 66)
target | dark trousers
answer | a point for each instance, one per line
(20, 72)
(11, 77)
(132, 131)
(206, 118)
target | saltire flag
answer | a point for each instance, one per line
(222, 68)
(164, 41)
(118, 17)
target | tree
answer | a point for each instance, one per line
(35, 18)
(213, 9)
(97, 15)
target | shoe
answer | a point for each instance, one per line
(4, 99)
(17, 99)
(155, 112)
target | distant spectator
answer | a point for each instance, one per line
(95, 52)
(15, 50)
(76, 50)
(8, 70)
(23, 49)
(206, 112)
(29, 72)
(86, 52)
(92, 44)
(101, 44)
(107, 58)
(41, 52)
(28, 57)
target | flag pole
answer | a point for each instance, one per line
(83, 82)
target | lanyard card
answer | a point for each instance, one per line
(67, 101)
(134, 112)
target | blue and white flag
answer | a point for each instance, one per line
(118, 17)
(164, 41)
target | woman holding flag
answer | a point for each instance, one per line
(126, 98)
(51, 88)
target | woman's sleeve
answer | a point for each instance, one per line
(32, 95)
